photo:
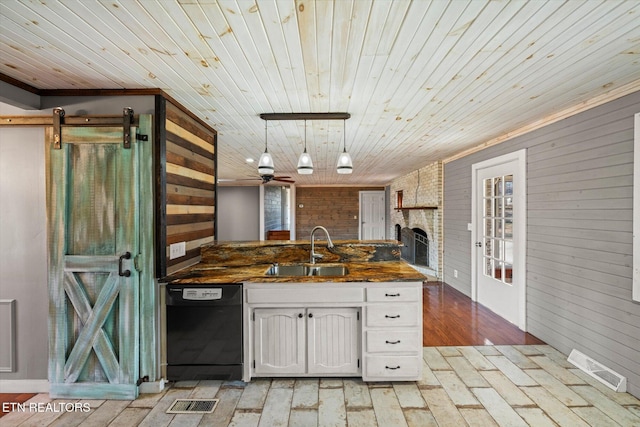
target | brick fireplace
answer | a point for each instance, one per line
(415, 217)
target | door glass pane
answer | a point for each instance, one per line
(497, 182)
(508, 273)
(498, 227)
(498, 207)
(488, 267)
(508, 229)
(508, 185)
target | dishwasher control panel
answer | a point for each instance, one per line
(201, 294)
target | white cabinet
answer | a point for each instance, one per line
(373, 330)
(300, 341)
(279, 336)
(393, 334)
(332, 341)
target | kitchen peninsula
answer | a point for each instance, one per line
(365, 321)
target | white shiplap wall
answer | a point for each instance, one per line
(579, 237)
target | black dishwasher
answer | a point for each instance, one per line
(204, 332)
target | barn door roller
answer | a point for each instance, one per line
(127, 116)
(58, 120)
(127, 122)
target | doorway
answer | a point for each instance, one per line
(372, 215)
(499, 236)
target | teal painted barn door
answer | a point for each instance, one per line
(94, 218)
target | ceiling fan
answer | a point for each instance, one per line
(264, 178)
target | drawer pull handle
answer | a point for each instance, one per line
(393, 342)
(392, 295)
(392, 367)
(397, 316)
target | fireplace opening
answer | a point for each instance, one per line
(415, 246)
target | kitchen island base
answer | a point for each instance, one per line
(371, 330)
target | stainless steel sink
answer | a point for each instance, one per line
(308, 270)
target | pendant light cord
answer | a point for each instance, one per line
(265, 137)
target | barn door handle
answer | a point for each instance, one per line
(125, 273)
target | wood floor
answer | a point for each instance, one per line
(450, 318)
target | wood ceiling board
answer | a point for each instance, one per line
(454, 74)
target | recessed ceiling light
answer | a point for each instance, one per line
(249, 160)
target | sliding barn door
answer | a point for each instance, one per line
(93, 184)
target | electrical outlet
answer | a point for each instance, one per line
(455, 274)
(177, 250)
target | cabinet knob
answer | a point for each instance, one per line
(310, 315)
(300, 315)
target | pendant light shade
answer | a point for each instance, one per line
(345, 165)
(265, 165)
(305, 165)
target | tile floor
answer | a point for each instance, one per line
(528, 385)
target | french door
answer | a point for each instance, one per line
(94, 211)
(499, 241)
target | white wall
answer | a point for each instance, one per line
(238, 213)
(23, 246)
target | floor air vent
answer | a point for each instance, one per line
(606, 376)
(193, 406)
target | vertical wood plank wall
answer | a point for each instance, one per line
(579, 233)
(190, 186)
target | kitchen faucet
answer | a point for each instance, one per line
(314, 255)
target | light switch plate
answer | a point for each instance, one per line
(177, 250)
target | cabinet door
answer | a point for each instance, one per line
(279, 341)
(333, 336)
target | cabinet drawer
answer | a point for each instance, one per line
(406, 367)
(393, 315)
(300, 294)
(394, 341)
(393, 294)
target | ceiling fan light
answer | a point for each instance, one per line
(345, 165)
(305, 164)
(265, 165)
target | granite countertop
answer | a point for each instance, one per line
(383, 271)
(367, 261)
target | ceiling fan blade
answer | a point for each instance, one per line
(238, 179)
(281, 179)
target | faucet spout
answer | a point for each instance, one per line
(313, 256)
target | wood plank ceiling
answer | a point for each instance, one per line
(422, 80)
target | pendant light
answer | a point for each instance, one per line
(265, 165)
(345, 165)
(305, 165)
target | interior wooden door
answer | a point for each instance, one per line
(94, 219)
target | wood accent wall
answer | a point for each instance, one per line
(336, 208)
(187, 188)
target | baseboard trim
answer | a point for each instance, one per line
(151, 387)
(24, 386)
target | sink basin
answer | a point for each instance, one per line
(308, 270)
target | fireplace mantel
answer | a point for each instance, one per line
(409, 208)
